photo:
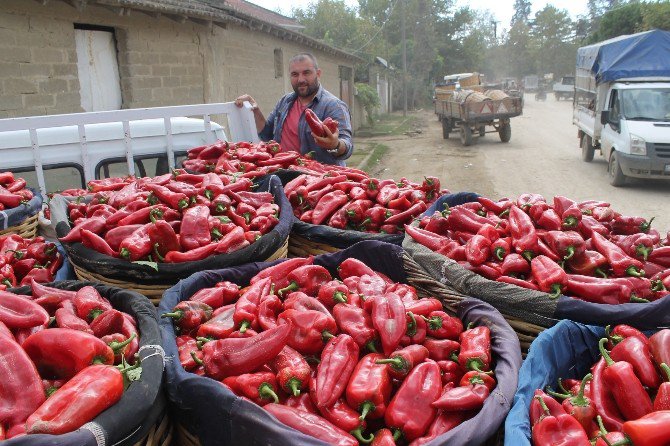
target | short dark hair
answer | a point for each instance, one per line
(303, 56)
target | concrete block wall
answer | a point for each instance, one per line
(161, 61)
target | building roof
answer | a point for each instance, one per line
(220, 13)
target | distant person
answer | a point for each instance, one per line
(286, 124)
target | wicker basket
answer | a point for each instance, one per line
(160, 434)
(299, 246)
(27, 228)
(496, 94)
(155, 291)
(427, 285)
(185, 438)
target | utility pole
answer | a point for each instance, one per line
(404, 57)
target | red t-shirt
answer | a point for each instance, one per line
(290, 140)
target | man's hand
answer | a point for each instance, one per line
(329, 141)
(245, 97)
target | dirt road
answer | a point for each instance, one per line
(543, 157)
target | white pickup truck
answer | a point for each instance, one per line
(565, 88)
(57, 152)
(623, 104)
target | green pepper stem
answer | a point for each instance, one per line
(293, 286)
(580, 400)
(370, 345)
(339, 296)
(396, 363)
(176, 315)
(265, 391)
(118, 346)
(196, 359)
(601, 426)
(639, 300)
(633, 271)
(571, 253)
(326, 335)
(603, 351)
(666, 370)
(546, 410)
(293, 386)
(365, 409)
(358, 435)
(562, 396)
(244, 325)
(555, 291)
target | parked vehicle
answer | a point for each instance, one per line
(623, 104)
(541, 94)
(531, 83)
(565, 89)
(76, 148)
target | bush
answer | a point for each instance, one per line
(369, 99)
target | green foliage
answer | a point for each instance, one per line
(656, 16)
(625, 19)
(369, 99)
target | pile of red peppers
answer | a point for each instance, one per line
(585, 250)
(172, 218)
(63, 355)
(23, 260)
(366, 204)
(13, 191)
(624, 400)
(359, 358)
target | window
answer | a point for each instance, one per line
(279, 63)
(99, 82)
(615, 107)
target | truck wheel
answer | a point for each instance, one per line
(446, 127)
(482, 131)
(587, 149)
(505, 132)
(617, 178)
(466, 135)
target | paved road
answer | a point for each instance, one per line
(543, 157)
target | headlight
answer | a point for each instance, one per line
(638, 146)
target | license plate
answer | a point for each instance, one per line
(667, 168)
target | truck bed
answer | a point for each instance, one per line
(479, 111)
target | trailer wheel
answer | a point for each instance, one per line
(505, 132)
(617, 178)
(446, 127)
(482, 131)
(466, 135)
(587, 148)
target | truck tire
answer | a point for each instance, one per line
(446, 127)
(482, 131)
(617, 178)
(505, 132)
(587, 149)
(466, 135)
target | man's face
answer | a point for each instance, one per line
(304, 78)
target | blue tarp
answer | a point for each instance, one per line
(641, 55)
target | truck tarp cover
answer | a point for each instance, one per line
(643, 55)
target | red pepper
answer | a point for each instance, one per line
(332, 293)
(659, 343)
(637, 245)
(571, 217)
(311, 424)
(443, 326)
(220, 326)
(279, 272)
(194, 231)
(357, 323)
(604, 438)
(566, 244)
(477, 250)
(338, 360)
(410, 411)
(406, 216)
(293, 371)
(441, 349)
(246, 307)
(226, 357)
(630, 225)
(475, 353)
(192, 255)
(459, 399)
(588, 264)
(661, 256)
(650, 430)
(20, 312)
(259, 387)
(451, 372)
(621, 263)
(309, 329)
(621, 332)
(402, 361)
(387, 193)
(524, 237)
(369, 388)
(89, 304)
(268, 310)
(7, 276)
(66, 318)
(42, 251)
(631, 398)
(327, 205)
(549, 277)
(637, 353)
(9, 199)
(604, 291)
(662, 399)
(371, 186)
(514, 265)
(581, 407)
(557, 429)
(302, 402)
(308, 278)
(223, 293)
(416, 330)
(388, 318)
(314, 123)
(189, 315)
(22, 391)
(93, 224)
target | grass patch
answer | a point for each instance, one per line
(393, 124)
(376, 152)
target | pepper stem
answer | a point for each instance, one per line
(176, 315)
(326, 335)
(365, 409)
(158, 254)
(397, 435)
(600, 273)
(339, 296)
(358, 435)
(499, 253)
(562, 396)
(370, 345)
(293, 385)
(666, 369)
(561, 387)
(119, 346)
(196, 359)
(475, 365)
(411, 326)
(601, 426)
(396, 363)
(633, 271)
(293, 286)
(266, 392)
(603, 351)
(555, 291)
(570, 253)
(639, 300)
(546, 410)
(125, 253)
(580, 400)
(244, 325)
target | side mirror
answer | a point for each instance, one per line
(605, 117)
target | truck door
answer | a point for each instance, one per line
(611, 136)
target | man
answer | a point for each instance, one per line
(286, 124)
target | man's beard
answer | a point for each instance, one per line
(311, 89)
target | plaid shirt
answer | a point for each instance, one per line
(324, 104)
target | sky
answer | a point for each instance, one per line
(501, 9)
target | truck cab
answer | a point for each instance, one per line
(635, 135)
(565, 88)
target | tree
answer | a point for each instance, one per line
(521, 12)
(553, 47)
(656, 16)
(623, 19)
